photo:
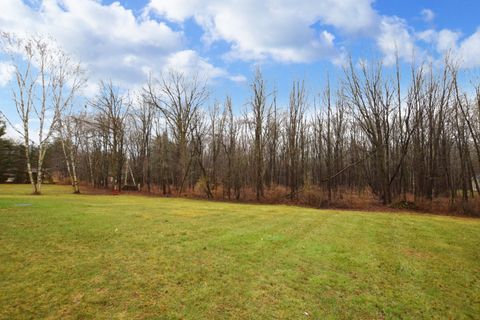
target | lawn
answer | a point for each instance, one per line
(65, 256)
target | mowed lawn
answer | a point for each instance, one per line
(65, 256)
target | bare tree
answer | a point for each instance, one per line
(112, 108)
(69, 131)
(142, 119)
(179, 98)
(258, 105)
(294, 129)
(371, 100)
(68, 79)
(46, 81)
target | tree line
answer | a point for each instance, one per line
(399, 136)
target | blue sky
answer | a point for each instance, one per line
(224, 40)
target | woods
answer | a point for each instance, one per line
(377, 130)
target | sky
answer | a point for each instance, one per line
(225, 40)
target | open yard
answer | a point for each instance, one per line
(68, 256)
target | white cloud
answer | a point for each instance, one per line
(11, 133)
(396, 35)
(465, 50)
(427, 15)
(446, 40)
(189, 62)
(426, 35)
(395, 38)
(469, 51)
(278, 30)
(116, 44)
(6, 73)
(239, 78)
(109, 39)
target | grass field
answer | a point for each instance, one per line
(66, 256)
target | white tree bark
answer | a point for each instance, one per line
(46, 82)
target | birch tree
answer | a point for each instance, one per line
(45, 82)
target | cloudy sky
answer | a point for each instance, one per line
(224, 39)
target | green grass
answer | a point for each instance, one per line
(131, 257)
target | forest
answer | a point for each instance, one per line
(376, 135)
